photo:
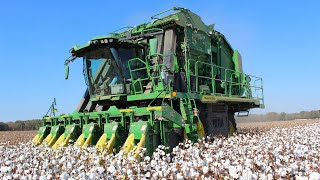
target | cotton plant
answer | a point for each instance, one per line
(277, 153)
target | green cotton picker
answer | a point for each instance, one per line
(158, 83)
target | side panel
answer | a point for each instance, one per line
(198, 40)
(226, 63)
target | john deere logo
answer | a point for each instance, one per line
(209, 98)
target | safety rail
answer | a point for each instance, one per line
(232, 83)
(153, 76)
(172, 9)
(221, 81)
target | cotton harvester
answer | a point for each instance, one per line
(158, 83)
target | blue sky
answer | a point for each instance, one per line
(278, 40)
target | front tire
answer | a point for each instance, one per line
(232, 123)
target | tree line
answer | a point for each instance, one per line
(273, 116)
(20, 125)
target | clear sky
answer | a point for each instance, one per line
(278, 40)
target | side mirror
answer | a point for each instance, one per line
(67, 72)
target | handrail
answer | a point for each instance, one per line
(233, 83)
(148, 69)
(117, 30)
(172, 9)
(229, 78)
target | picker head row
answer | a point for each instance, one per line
(111, 130)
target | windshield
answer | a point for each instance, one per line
(106, 69)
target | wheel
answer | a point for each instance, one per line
(232, 123)
(175, 137)
(200, 130)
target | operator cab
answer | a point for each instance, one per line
(106, 67)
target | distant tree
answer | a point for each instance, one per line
(4, 127)
(272, 116)
(283, 116)
(20, 125)
(314, 114)
(12, 125)
(33, 124)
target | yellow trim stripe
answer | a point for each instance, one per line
(158, 108)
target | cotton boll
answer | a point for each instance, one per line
(16, 176)
(3, 169)
(62, 160)
(8, 163)
(35, 177)
(205, 169)
(148, 175)
(54, 162)
(314, 176)
(23, 177)
(233, 172)
(100, 169)
(64, 176)
(49, 177)
(42, 178)
(180, 176)
(8, 177)
(93, 176)
(266, 154)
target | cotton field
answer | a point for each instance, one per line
(14, 137)
(278, 153)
